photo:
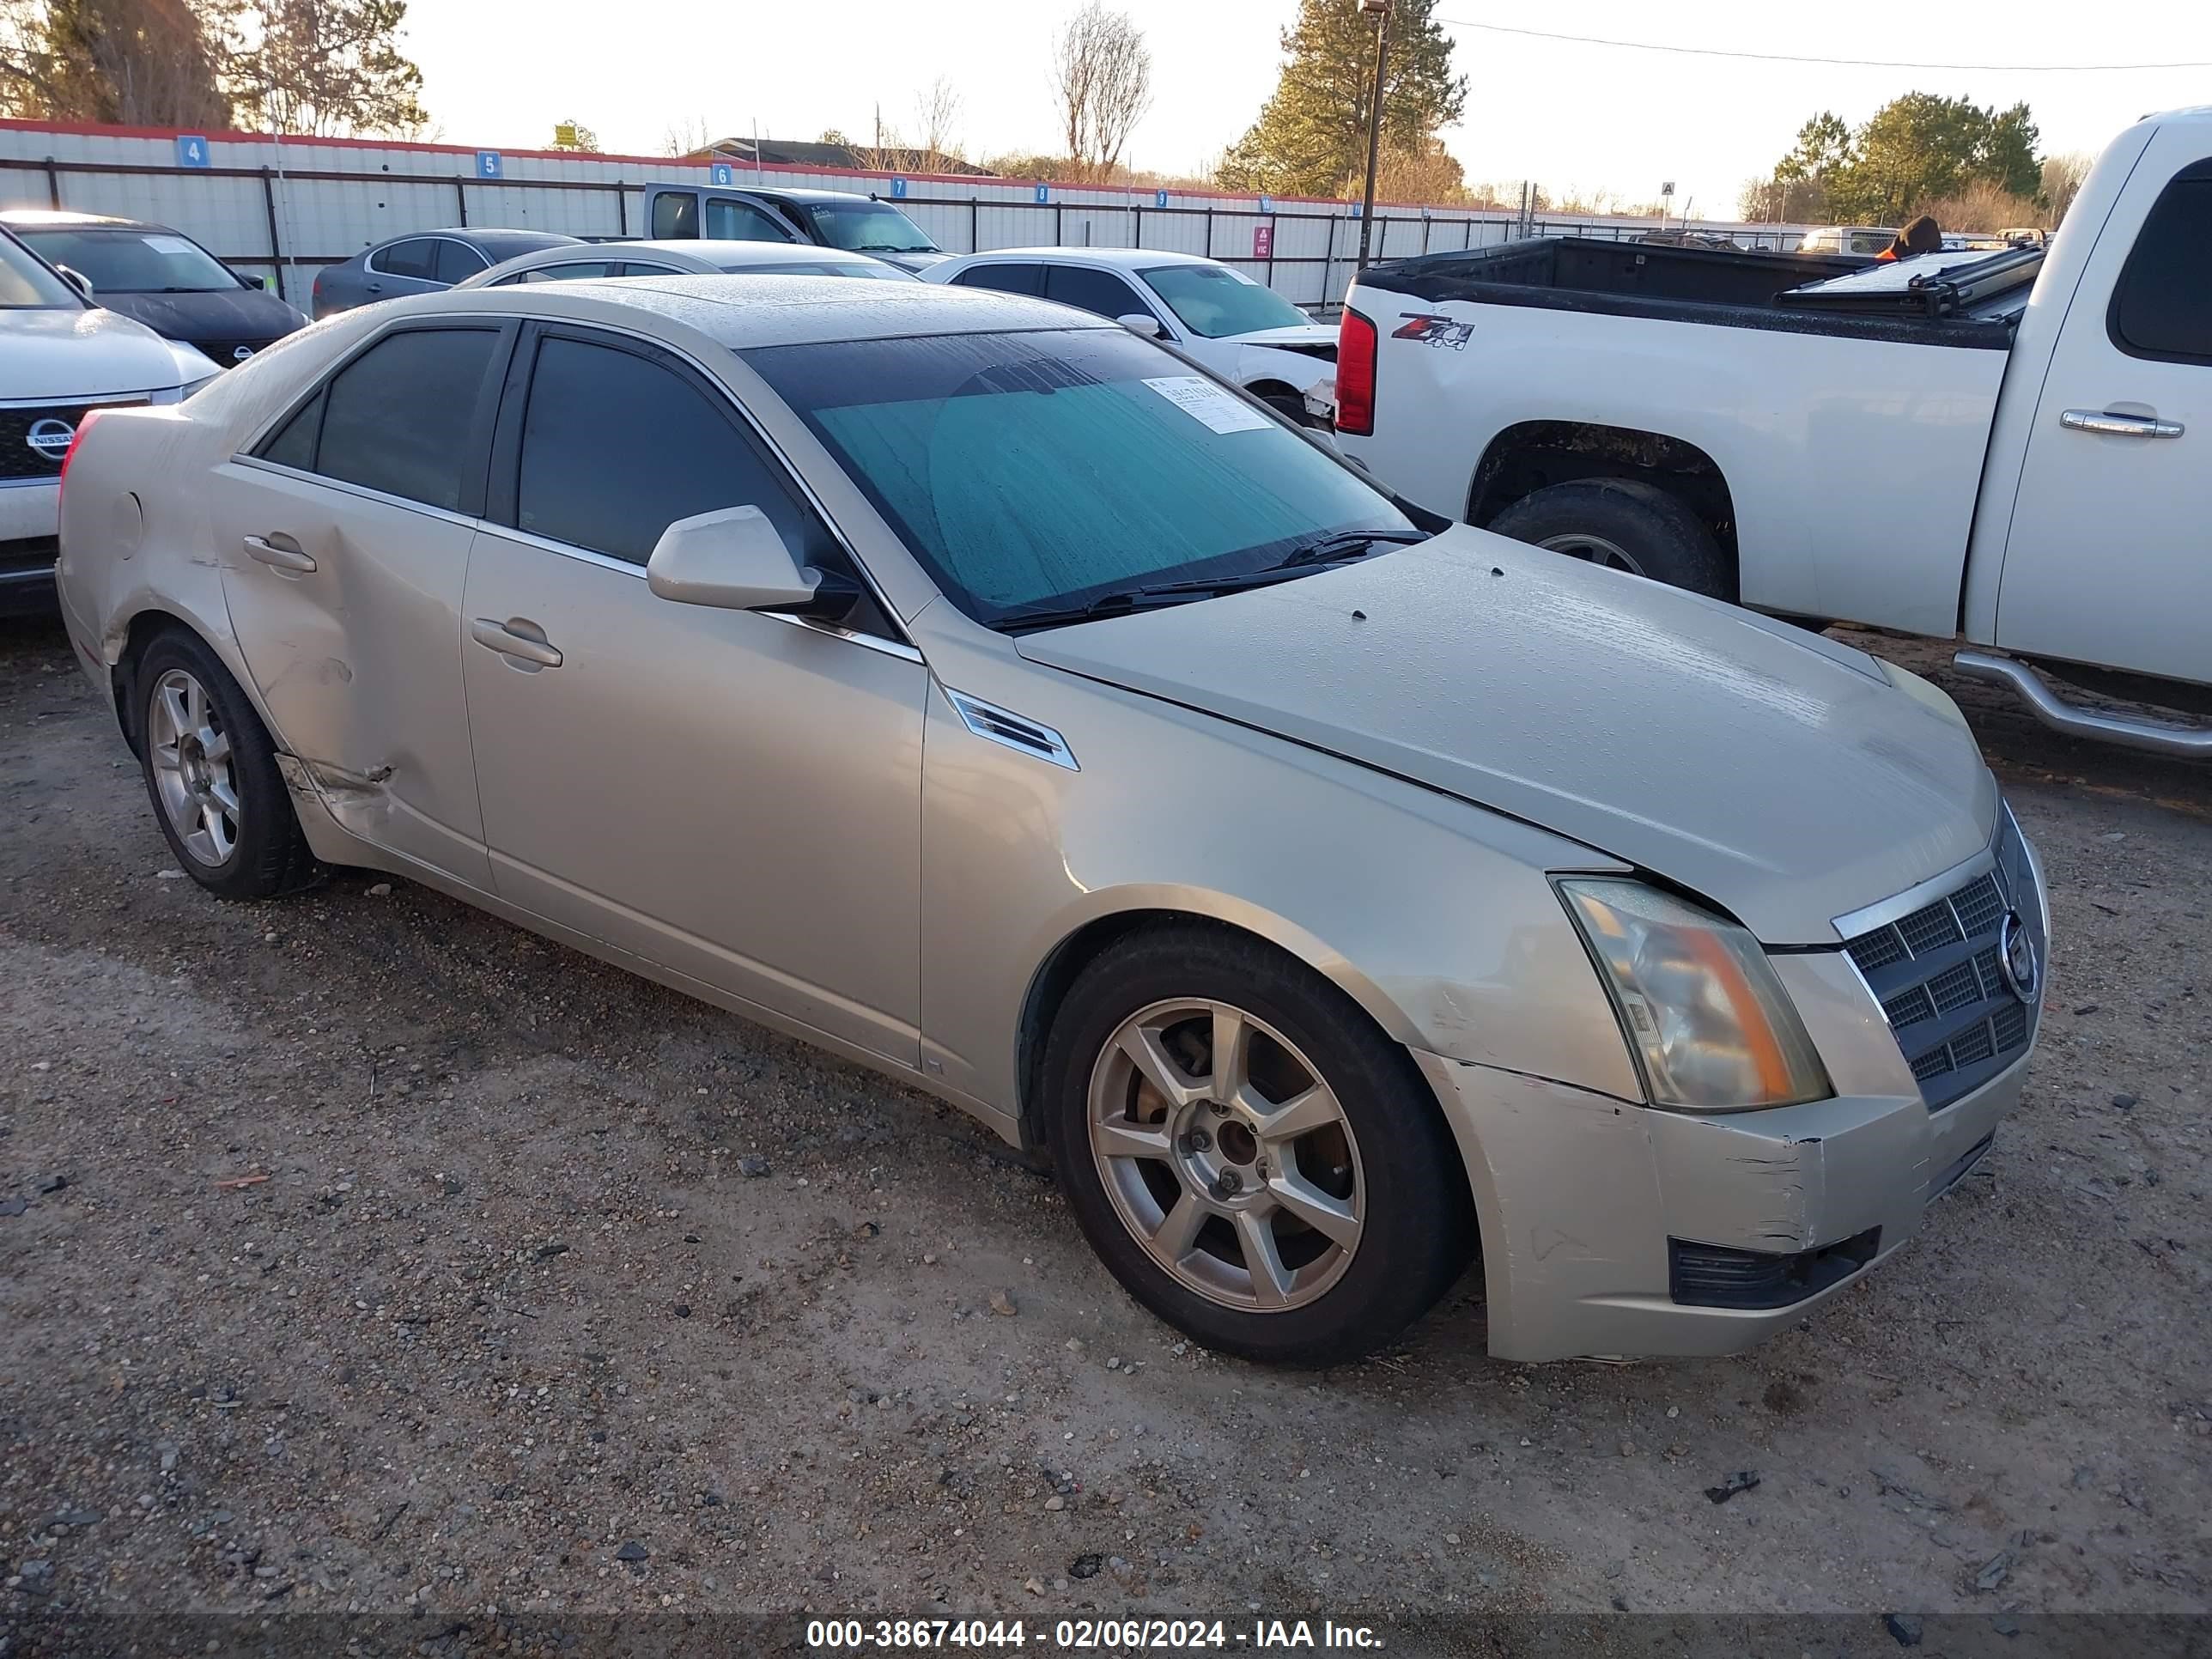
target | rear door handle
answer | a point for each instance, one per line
(2118, 426)
(272, 553)
(500, 638)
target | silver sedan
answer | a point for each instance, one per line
(990, 697)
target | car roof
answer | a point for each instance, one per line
(64, 219)
(804, 195)
(717, 251)
(509, 242)
(766, 311)
(1119, 258)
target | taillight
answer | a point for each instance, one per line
(1355, 375)
(75, 438)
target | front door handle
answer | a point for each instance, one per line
(278, 556)
(502, 639)
(2118, 426)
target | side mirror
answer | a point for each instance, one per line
(1144, 325)
(733, 559)
(261, 282)
(77, 279)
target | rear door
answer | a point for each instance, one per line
(408, 267)
(344, 542)
(2107, 560)
(731, 794)
(1103, 293)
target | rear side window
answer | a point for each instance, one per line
(417, 256)
(1005, 279)
(2162, 305)
(741, 221)
(402, 416)
(637, 268)
(576, 270)
(617, 446)
(1098, 291)
(458, 261)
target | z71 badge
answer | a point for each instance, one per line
(1439, 332)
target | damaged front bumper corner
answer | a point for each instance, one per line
(1614, 1229)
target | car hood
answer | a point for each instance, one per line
(224, 316)
(1786, 778)
(1308, 334)
(67, 354)
(919, 260)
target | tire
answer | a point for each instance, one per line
(1383, 1174)
(211, 774)
(1628, 525)
(1292, 409)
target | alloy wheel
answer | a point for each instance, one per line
(193, 768)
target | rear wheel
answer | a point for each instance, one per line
(1625, 524)
(1252, 1159)
(211, 774)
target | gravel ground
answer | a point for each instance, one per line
(359, 1252)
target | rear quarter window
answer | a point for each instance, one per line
(403, 417)
(2162, 304)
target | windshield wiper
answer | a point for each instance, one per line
(1349, 544)
(1123, 600)
(888, 247)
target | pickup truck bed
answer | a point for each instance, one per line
(1688, 285)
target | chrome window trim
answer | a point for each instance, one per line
(346, 487)
(1920, 894)
(989, 721)
(98, 399)
(53, 483)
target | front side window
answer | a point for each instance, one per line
(865, 268)
(401, 418)
(458, 261)
(1100, 292)
(1214, 301)
(2162, 304)
(676, 215)
(617, 446)
(27, 285)
(866, 228)
(133, 261)
(741, 221)
(1037, 471)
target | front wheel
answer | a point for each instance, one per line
(1252, 1159)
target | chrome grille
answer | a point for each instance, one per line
(1938, 975)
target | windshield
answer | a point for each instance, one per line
(866, 228)
(27, 285)
(133, 261)
(1215, 302)
(1036, 471)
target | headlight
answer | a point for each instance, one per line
(1712, 1028)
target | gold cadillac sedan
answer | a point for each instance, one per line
(986, 695)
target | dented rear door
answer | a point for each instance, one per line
(344, 544)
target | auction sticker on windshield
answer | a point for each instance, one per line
(1203, 400)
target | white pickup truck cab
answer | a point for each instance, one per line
(61, 357)
(2013, 448)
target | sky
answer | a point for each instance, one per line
(1571, 117)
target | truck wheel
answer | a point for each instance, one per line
(1629, 525)
(1252, 1158)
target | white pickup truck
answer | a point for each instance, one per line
(2013, 448)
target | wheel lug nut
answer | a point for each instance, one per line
(1195, 1140)
(1228, 1185)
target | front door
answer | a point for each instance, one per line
(344, 542)
(2107, 560)
(733, 795)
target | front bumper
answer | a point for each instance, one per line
(1579, 1195)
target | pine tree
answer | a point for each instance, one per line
(1311, 137)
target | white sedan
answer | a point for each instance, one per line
(1245, 332)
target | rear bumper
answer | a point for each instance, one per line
(1580, 1195)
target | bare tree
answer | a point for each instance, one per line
(1102, 74)
(687, 137)
(331, 68)
(2062, 178)
(142, 63)
(936, 116)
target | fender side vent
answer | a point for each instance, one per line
(1002, 725)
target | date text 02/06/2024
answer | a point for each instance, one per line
(1263, 1635)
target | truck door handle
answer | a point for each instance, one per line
(2118, 426)
(268, 552)
(502, 639)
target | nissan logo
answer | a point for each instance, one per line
(240, 353)
(50, 438)
(2017, 959)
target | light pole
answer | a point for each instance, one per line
(1380, 10)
